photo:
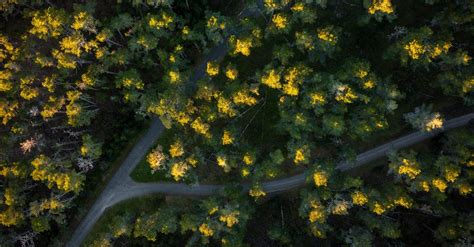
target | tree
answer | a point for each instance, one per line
(40, 224)
(424, 119)
(90, 148)
(163, 221)
(47, 23)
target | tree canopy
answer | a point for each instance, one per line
(248, 91)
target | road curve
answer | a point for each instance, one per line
(122, 187)
(120, 180)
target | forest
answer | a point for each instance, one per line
(236, 123)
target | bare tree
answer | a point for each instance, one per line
(27, 145)
(26, 239)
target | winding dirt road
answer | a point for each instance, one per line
(121, 187)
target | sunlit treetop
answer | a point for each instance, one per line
(48, 23)
(327, 35)
(383, 6)
(279, 21)
(84, 21)
(163, 20)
